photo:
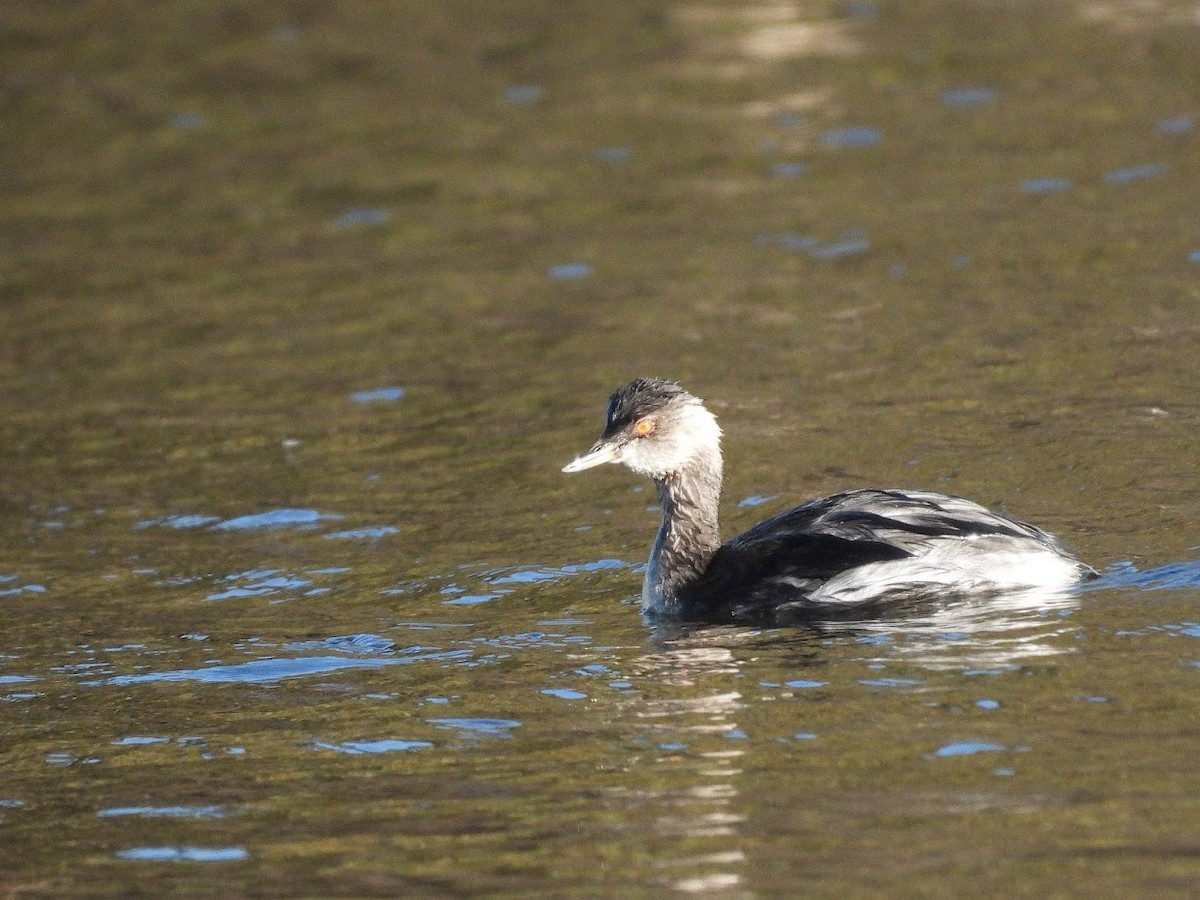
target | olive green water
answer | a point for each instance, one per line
(270, 629)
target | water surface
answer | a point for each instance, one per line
(305, 307)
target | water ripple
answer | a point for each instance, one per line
(853, 242)
(572, 271)
(277, 518)
(756, 500)
(372, 533)
(613, 156)
(1172, 576)
(22, 589)
(851, 136)
(550, 573)
(184, 854)
(564, 693)
(1136, 173)
(358, 748)
(165, 812)
(477, 728)
(968, 748)
(349, 643)
(362, 217)
(1177, 125)
(1049, 185)
(257, 584)
(960, 98)
(17, 679)
(523, 94)
(378, 395)
(261, 671)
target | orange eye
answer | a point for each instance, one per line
(643, 427)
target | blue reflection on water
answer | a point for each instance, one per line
(1177, 125)
(140, 741)
(1136, 173)
(789, 240)
(850, 243)
(789, 169)
(370, 533)
(959, 98)
(165, 812)
(1182, 629)
(24, 589)
(362, 747)
(891, 682)
(547, 573)
(613, 155)
(286, 33)
(477, 728)
(348, 643)
(184, 521)
(186, 120)
(523, 94)
(473, 599)
(1051, 185)
(261, 671)
(378, 395)
(572, 271)
(18, 679)
(564, 693)
(1169, 577)
(277, 518)
(184, 854)
(968, 748)
(362, 217)
(756, 500)
(277, 662)
(851, 136)
(861, 9)
(21, 589)
(257, 584)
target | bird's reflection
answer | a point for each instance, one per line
(937, 631)
(688, 730)
(685, 719)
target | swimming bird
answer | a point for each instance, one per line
(850, 551)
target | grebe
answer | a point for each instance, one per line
(847, 551)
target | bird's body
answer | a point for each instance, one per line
(849, 551)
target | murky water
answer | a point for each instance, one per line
(304, 306)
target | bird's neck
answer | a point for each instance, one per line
(689, 534)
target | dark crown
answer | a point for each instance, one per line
(639, 398)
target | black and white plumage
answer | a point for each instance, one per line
(853, 550)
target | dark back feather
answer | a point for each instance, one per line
(785, 557)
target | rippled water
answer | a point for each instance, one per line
(305, 307)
